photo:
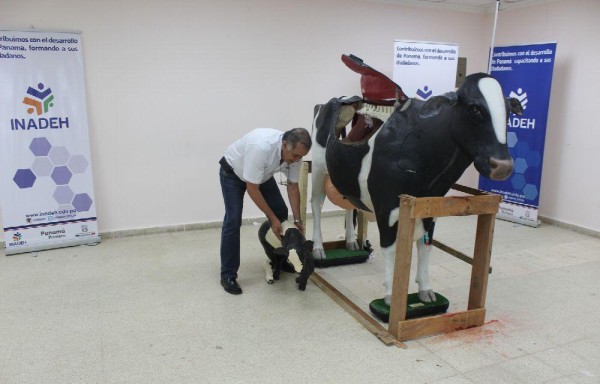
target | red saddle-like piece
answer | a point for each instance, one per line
(375, 86)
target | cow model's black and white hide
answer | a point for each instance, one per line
(421, 150)
(291, 254)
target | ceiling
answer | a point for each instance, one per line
(464, 5)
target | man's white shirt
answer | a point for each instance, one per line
(256, 157)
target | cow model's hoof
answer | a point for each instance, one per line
(352, 246)
(319, 253)
(270, 281)
(388, 299)
(427, 296)
(301, 281)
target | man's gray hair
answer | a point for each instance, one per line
(297, 136)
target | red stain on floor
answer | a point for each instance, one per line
(483, 334)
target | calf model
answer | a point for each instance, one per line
(291, 254)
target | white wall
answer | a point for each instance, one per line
(172, 83)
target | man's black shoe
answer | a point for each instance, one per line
(231, 286)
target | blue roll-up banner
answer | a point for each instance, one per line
(525, 73)
(46, 186)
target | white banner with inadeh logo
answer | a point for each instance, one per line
(46, 186)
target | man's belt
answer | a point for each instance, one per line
(225, 165)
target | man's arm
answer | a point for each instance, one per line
(294, 196)
(261, 203)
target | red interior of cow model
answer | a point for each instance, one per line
(376, 87)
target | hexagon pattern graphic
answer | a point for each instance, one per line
(57, 163)
(59, 155)
(78, 164)
(524, 158)
(61, 175)
(82, 202)
(520, 165)
(511, 139)
(63, 194)
(530, 191)
(24, 178)
(40, 146)
(518, 181)
(42, 166)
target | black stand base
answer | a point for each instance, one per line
(414, 308)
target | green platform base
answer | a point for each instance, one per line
(336, 257)
(414, 308)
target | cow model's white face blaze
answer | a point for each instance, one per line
(492, 93)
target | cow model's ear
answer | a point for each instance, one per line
(515, 106)
(434, 105)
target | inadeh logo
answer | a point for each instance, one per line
(425, 92)
(521, 122)
(521, 96)
(17, 236)
(39, 101)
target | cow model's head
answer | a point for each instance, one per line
(480, 113)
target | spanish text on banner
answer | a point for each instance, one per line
(425, 69)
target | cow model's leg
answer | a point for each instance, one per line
(388, 229)
(426, 294)
(317, 198)
(351, 242)
(389, 256)
(268, 271)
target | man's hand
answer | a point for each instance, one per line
(299, 225)
(277, 228)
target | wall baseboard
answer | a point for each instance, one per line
(249, 221)
(572, 227)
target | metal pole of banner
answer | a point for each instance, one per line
(493, 38)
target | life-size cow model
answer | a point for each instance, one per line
(422, 149)
(291, 254)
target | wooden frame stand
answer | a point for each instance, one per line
(480, 203)
(485, 207)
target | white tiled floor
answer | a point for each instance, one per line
(149, 309)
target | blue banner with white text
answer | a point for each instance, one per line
(525, 73)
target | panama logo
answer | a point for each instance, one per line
(39, 101)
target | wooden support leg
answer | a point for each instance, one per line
(303, 187)
(404, 244)
(481, 260)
